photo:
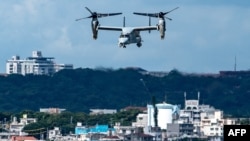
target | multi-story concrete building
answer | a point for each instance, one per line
(212, 123)
(207, 121)
(37, 64)
(16, 126)
(191, 113)
(177, 130)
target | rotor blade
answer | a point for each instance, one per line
(168, 18)
(171, 10)
(154, 14)
(83, 18)
(99, 15)
(147, 14)
(80, 19)
(89, 10)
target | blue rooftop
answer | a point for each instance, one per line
(96, 129)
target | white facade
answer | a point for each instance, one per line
(125, 130)
(102, 111)
(207, 120)
(14, 65)
(52, 110)
(37, 64)
(17, 127)
(212, 123)
(164, 116)
(53, 134)
(141, 120)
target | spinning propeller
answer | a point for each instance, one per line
(157, 15)
(95, 15)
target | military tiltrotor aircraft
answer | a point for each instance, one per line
(95, 22)
(161, 24)
(129, 35)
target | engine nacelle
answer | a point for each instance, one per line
(161, 28)
(95, 25)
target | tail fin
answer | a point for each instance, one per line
(124, 22)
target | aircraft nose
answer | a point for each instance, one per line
(123, 40)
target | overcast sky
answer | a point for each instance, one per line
(203, 37)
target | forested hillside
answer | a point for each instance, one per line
(80, 89)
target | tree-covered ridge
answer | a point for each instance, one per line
(80, 89)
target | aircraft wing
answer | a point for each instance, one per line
(110, 28)
(146, 28)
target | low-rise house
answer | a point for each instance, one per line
(102, 111)
(89, 133)
(138, 137)
(23, 138)
(52, 110)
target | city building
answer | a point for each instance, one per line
(102, 111)
(165, 114)
(17, 127)
(141, 120)
(52, 110)
(205, 120)
(177, 130)
(54, 133)
(212, 123)
(36, 64)
(191, 113)
(93, 133)
(23, 138)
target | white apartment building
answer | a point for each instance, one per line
(212, 123)
(207, 120)
(37, 64)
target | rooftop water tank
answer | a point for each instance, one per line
(164, 116)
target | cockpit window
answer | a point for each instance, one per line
(124, 36)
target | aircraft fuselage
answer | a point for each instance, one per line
(129, 36)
